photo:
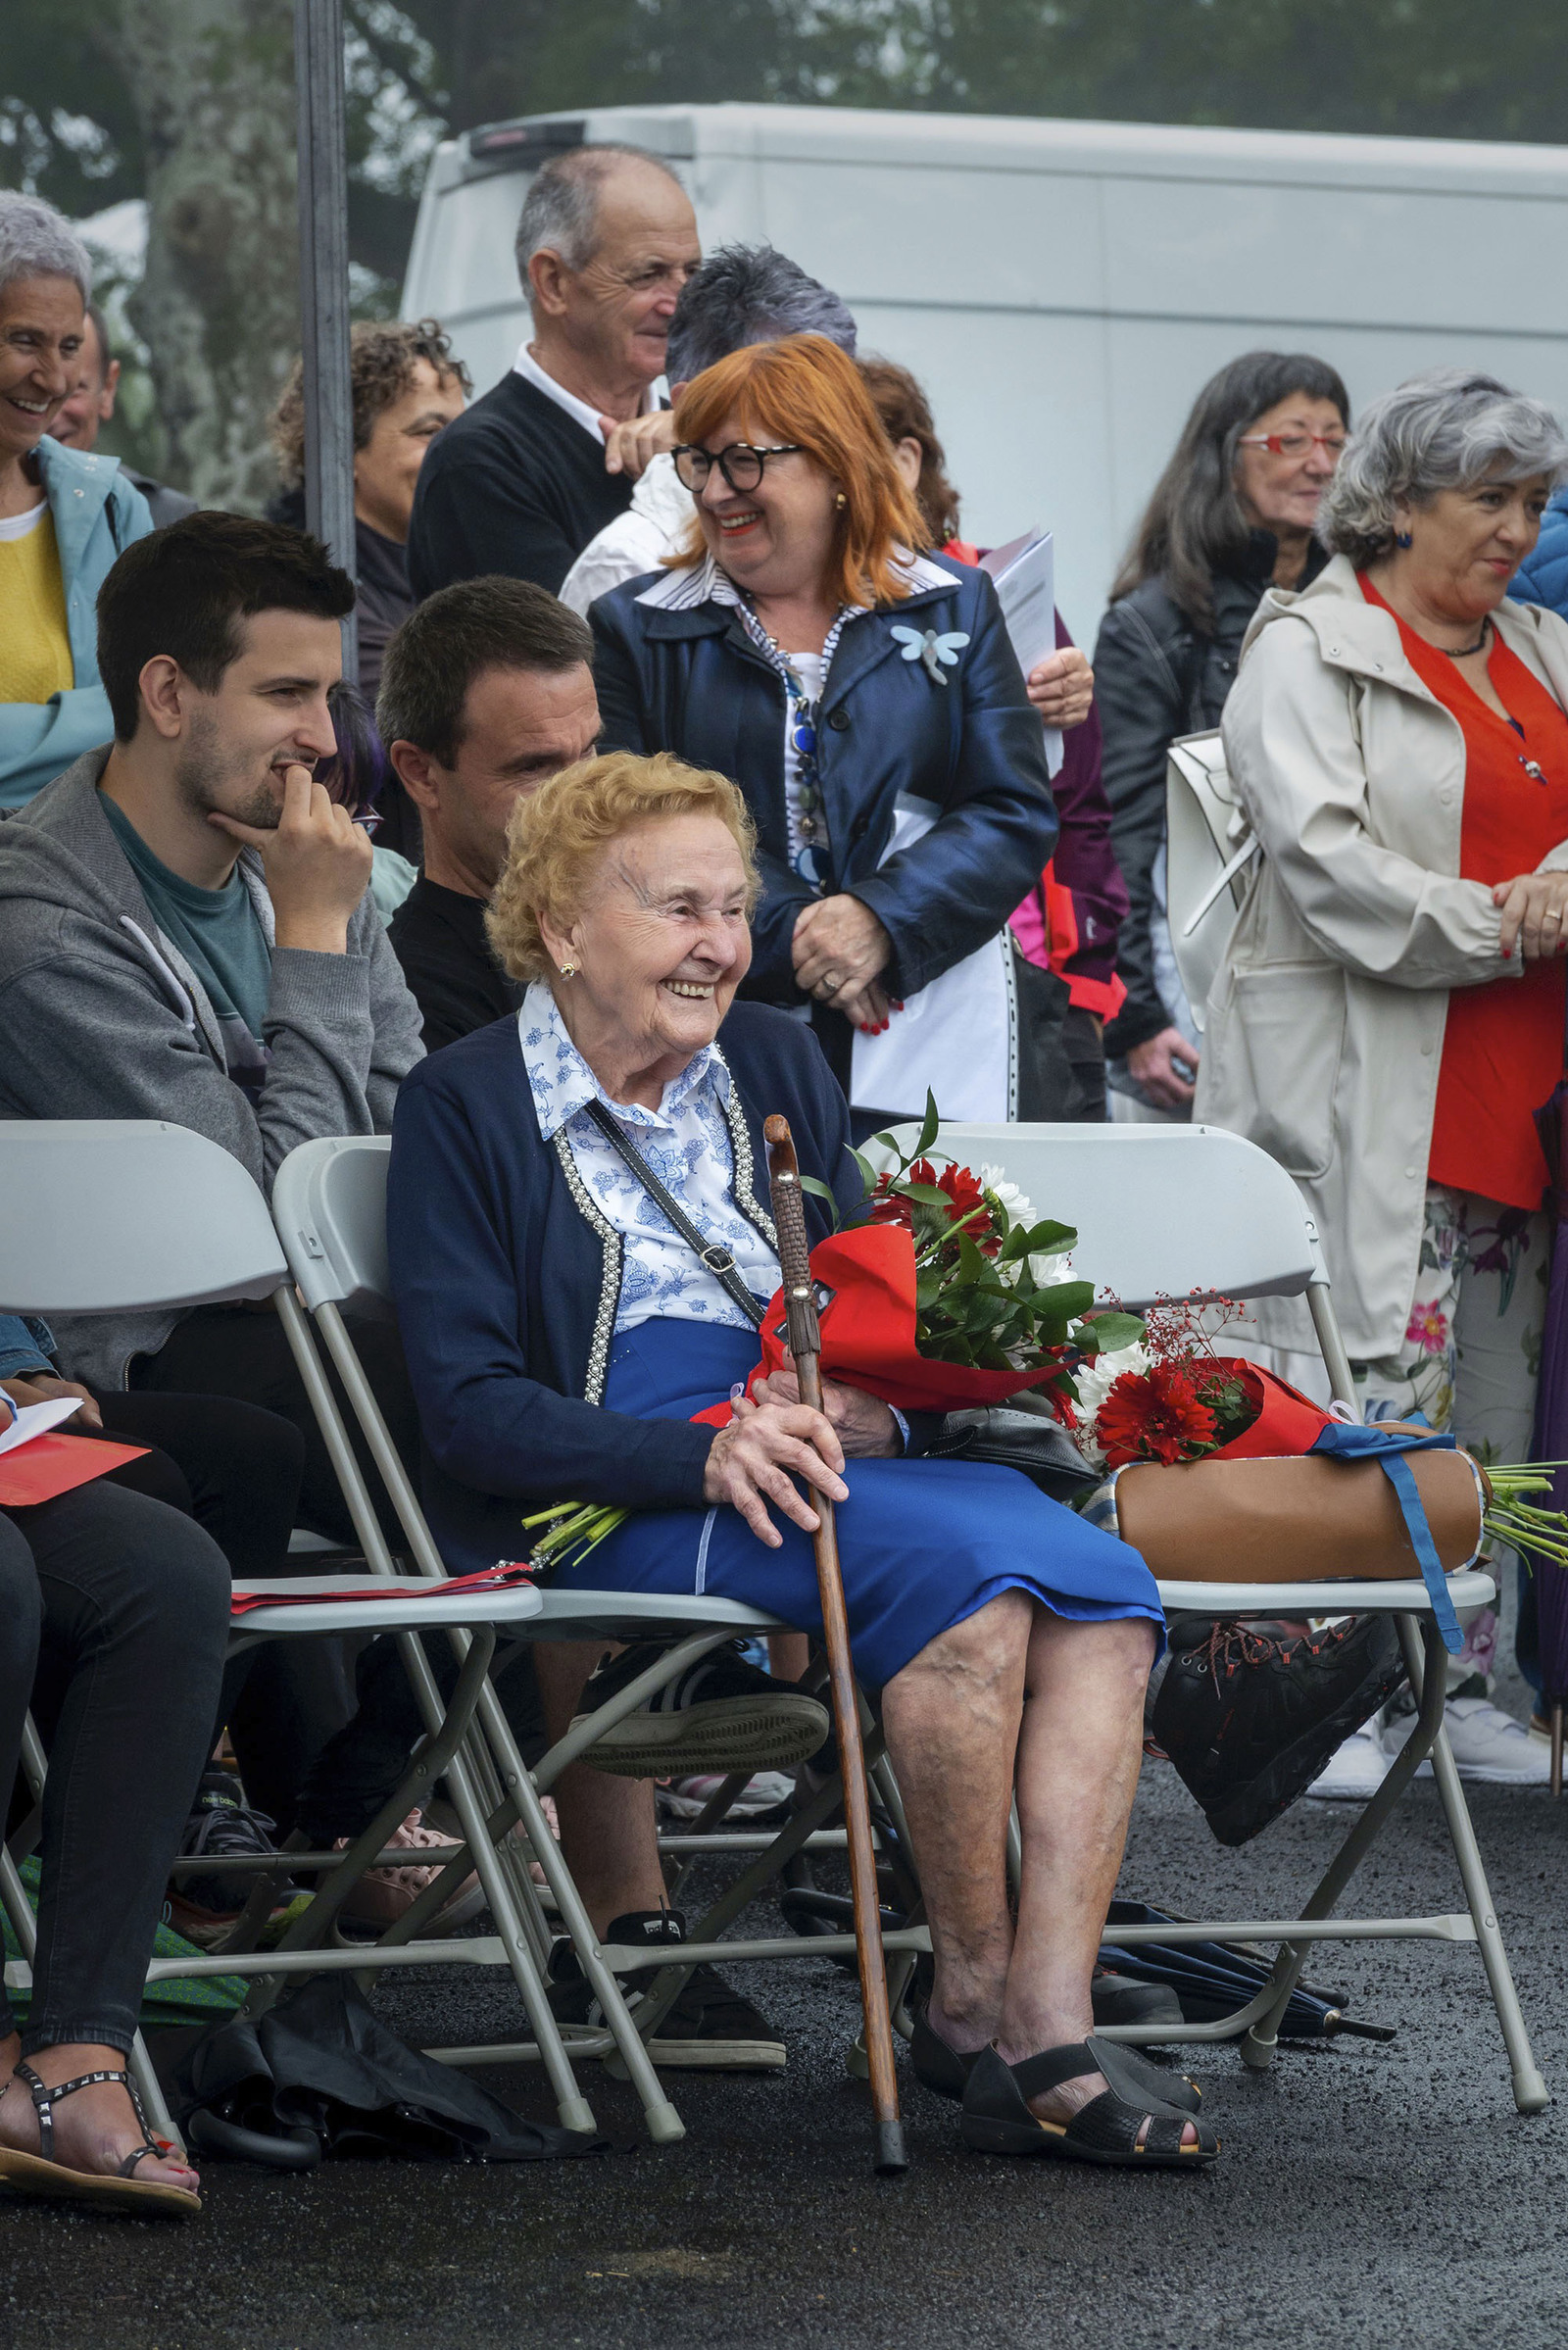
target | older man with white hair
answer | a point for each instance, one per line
(522, 482)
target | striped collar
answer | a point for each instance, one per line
(705, 582)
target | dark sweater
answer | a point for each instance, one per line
(1157, 676)
(499, 1281)
(439, 938)
(513, 485)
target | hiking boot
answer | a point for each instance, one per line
(709, 2029)
(1249, 1712)
(223, 1826)
(721, 1714)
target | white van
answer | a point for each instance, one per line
(1063, 288)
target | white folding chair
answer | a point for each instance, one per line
(1173, 1210)
(114, 1216)
(328, 1201)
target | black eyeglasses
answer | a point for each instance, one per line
(740, 464)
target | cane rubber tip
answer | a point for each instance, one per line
(890, 2152)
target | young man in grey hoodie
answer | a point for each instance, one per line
(185, 929)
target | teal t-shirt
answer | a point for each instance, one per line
(218, 934)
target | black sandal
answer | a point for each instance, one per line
(1137, 2135)
(1129, 2072)
(40, 2175)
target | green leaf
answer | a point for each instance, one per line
(1106, 1334)
(867, 1171)
(1051, 1240)
(822, 1190)
(929, 1194)
(928, 1129)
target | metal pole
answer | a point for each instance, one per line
(323, 199)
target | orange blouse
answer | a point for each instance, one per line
(1502, 1049)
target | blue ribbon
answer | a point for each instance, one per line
(1348, 1439)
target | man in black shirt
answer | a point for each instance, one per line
(539, 465)
(486, 690)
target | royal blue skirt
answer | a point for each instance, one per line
(922, 1544)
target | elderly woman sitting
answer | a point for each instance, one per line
(560, 1334)
(1390, 1011)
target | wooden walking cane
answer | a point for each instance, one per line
(806, 1345)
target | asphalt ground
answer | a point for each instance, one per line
(1366, 2194)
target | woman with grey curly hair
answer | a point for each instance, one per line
(64, 515)
(1391, 1009)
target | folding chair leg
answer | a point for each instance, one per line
(1259, 2044)
(1530, 2093)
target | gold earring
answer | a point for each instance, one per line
(568, 970)
(840, 500)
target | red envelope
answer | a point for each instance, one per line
(54, 1464)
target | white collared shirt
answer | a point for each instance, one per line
(581, 412)
(686, 1142)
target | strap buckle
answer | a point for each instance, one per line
(718, 1258)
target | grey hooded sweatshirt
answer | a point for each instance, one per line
(102, 1017)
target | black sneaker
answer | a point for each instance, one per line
(221, 1825)
(710, 2027)
(721, 1714)
(1249, 1712)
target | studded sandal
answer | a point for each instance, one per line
(1130, 2132)
(120, 2190)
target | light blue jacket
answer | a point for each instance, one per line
(96, 517)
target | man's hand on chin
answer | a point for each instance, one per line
(317, 864)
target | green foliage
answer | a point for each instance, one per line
(421, 70)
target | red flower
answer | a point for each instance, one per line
(1154, 1415)
(889, 1207)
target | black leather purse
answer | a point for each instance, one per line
(1004, 1437)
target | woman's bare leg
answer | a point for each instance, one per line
(608, 1831)
(952, 1719)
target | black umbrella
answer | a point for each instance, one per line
(1212, 1979)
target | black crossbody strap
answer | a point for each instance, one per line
(713, 1255)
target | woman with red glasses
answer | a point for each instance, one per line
(1231, 515)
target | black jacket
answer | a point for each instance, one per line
(438, 936)
(692, 682)
(1157, 676)
(513, 485)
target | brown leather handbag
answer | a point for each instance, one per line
(1304, 1519)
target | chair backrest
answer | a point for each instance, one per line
(1161, 1211)
(106, 1215)
(1205, 828)
(329, 1205)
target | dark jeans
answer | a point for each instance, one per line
(302, 1692)
(114, 1619)
(228, 1350)
(236, 1470)
(1082, 1043)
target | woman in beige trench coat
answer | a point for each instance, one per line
(1396, 731)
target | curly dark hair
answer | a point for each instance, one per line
(382, 358)
(906, 415)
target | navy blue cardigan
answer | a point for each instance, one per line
(694, 683)
(505, 1294)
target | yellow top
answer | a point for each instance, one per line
(34, 641)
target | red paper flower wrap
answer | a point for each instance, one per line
(1288, 1422)
(866, 1303)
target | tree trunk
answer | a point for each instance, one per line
(213, 84)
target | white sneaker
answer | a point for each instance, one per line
(765, 1791)
(1490, 1746)
(1355, 1771)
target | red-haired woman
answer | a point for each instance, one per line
(870, 705)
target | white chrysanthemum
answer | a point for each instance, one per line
(1096, 1378)
(1019, 1208)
